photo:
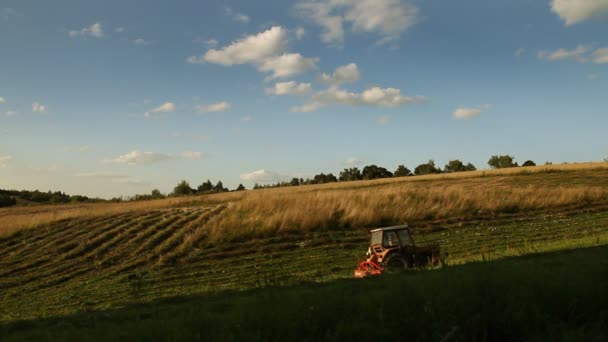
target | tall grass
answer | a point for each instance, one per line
(349, 204)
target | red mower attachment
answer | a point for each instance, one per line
(367, 268)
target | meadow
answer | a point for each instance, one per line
(62, 261)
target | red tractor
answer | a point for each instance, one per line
(393, 249)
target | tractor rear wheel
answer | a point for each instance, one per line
(395, 263)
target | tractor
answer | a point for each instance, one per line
(393, 249)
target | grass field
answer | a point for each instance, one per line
(108, 257)
(551, 297)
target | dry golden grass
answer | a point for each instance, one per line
(359, 204)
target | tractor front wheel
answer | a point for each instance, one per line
(395, 263)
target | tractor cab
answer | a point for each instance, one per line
(390, 237)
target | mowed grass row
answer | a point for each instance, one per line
(548, 297)
(139, 274)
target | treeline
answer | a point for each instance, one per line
(10, 197)
(370, 172)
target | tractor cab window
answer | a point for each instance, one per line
(390, 239)
(405, 237)
(376, 238)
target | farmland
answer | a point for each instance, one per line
(64, 260)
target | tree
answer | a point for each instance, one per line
(323, 178)
(240, 187)
(219, 187)
(182, 188)
(501, 162)
(156, 194)
(529, 163)
(294, 182)
(426, 168)
(457, 166)
(205, 187)
(351, 174)
(402, 171)
(606, 159)
(375, 172)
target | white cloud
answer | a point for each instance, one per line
(289, 88)
(300, 33)
(4, 160)
(383, 119)
(119, 29)
(562, 54)
(519, 52)
(101, 174)
(141, 42)
(600, 56)
(214, 107)
(263, 176)
(576, 11)
(10, 113)
(2, 99)
(246, 118)
(94, 30)
(388, 18)
(251, 49)
(82, 148)
(191, 155)
(464, 113)
(39, 108)
(211, 42)
(374, 96)
(354, 161)
(139, 158)
(287, 65)
(307, 107)
(345, 74)
(236, 16)
(167, 107)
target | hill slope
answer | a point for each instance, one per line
(281, 237)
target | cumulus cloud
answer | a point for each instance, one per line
(251, 49)
(191, 155)
(167, 107)
(39, 108)
(387, 18)
(101, 174)
(138, 158)
(2, 99)
(265, 50)
(582, 53)
(307, 107)
(141, 42)
(9, 113)
(95, 30)
(353, 161)
(214, 107)
(211, 42)
(264, 176)
(600, 56)
(236, 16)
(374, 96)
(119, 30)
(345, 74)
(464, 113)
(289, 88)
(576, 11)
(519, 52)
(562, 54)
(4, 160)
(287, 65)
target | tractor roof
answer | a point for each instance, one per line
(403, 226)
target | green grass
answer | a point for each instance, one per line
(550, 297)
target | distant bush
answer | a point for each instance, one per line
(402, 171)
(6, 201)
(501, 162)
(529, 163)
(427, 168)
(457, 166)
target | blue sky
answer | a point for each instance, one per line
(115, 98)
